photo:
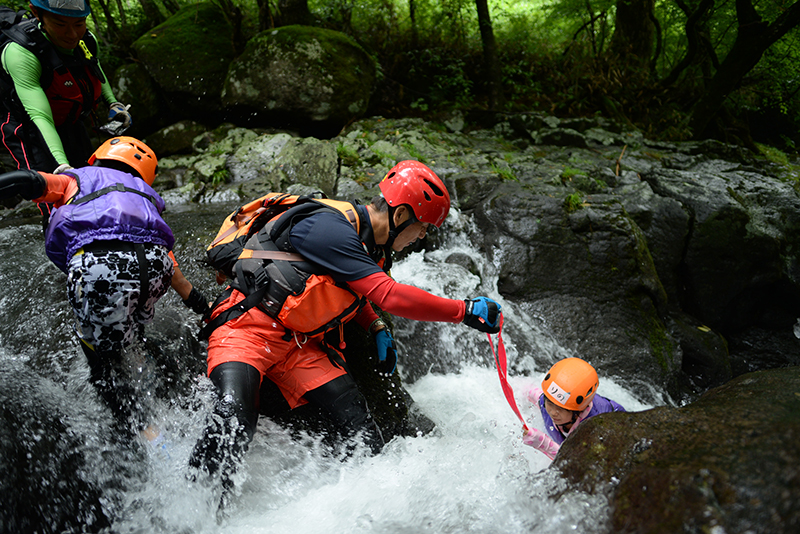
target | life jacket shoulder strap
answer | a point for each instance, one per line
(280, 227)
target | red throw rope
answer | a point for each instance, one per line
(502, 371)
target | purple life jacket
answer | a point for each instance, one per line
(599, 405)
(109, 204)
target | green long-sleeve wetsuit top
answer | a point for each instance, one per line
(25, 70)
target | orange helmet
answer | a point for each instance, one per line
(571, 383)
(410, 182)
(132, 152)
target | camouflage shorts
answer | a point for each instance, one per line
(103, 288)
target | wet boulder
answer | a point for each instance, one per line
(134, 86)
(741, 265)
(728, 462)
(188, 56)
(306, 74)
(45, 474)
(176, 138)
(587, 268)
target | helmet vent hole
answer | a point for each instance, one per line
(113, 141)
(137, 156)
(427, 196)
(436, 189)
(547, 377)
(579, 399)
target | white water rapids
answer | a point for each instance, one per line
(471, 474)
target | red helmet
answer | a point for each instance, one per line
(571, 383)
(132, 152)
(410, 182)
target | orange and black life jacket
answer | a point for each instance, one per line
(275, 278)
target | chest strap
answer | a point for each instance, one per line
(110, 189)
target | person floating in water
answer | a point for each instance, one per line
(567, 397)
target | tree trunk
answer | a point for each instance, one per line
(491, 64)
(412, 14)
(634, 33)
(171, 6)
(753, 39)
(111, 25)
(694, 39)
(294, 12)
(151, 13)
(265, 21)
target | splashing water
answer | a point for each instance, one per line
(472, 473)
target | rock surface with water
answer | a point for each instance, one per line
(670, 267)
(686, 254)
(729, 462)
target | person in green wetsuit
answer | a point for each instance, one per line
(52, 83)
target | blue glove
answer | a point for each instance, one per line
(483, 314)
(117, 112)
(387, 354)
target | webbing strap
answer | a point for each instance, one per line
(502, 371)
(116, 187)
(144, 277)
(242, 307)
(275, 255)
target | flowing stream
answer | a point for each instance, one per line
(472, 473)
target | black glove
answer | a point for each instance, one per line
(197, 302)
(23, 182)
(483, 314)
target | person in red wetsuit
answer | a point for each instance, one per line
(352, 257)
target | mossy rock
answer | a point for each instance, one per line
(301, 72)
(188, 55)
(727, 462)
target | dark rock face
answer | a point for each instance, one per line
(37, 446)
(729, 460)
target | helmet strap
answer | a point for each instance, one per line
(574, 418)
(395, 231)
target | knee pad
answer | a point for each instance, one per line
(238, 392)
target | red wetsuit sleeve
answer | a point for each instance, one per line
(59, 189)
(408, 301)
(366, 317)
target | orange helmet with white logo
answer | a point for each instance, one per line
(132, 152)
(414, 184)
(571, 383)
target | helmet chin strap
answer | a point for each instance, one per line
(395, 231)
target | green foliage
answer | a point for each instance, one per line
(504, 171)
(347, 154)
(573, 202)
(555, 57)
(414, 152)
(568, 173)
(773, 154)
(221, 176)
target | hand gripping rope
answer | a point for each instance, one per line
(502, 371)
